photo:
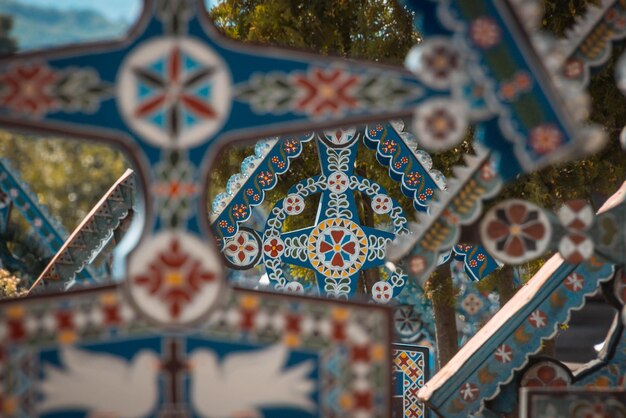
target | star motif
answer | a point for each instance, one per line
(174, 92)
(538, 319)
(574, 282)
(469, 392)
(504, 354)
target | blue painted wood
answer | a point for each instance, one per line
(507, 348)
(57, 351)
(518, 101)
(408, 165)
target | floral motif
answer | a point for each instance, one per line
(436, 62)
(243, 250)
(484, 32)
(503, 354)
(294, 287)
(407, 321)
(576, 215)
(538, 319)
(36, 89)
(294, 204)
(274, 247)
(240, 211)
(28, 89)
(389, 146)
(174, 93)
(338, 182)
(413, 178)
(265, 178)
(574, 282)
(278, 162)
(382, 292)
(381, 204)
(170, 98)
(440, 123)
(515, 231)
(545, 139)
(338, 248)
(291, 146)
(174, 277)
(326, 91)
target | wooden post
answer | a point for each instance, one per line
(441, 292)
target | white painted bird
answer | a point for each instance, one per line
(247, 381)
(102, 384)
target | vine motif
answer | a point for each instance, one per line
(339, 159)
(338, 288)
(296, 247)
(377, 247)
(339, 207)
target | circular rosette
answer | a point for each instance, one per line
(294, 204)
(440, 123)
(381, 204)
(337, 248)
(339, 138)
(243, 250)
(407, 323)
(382, 292)
(436, 62)
(516, 231)
(576, 215)
(576, 248)
(273, 247)
(174, 278)
(338, 182)
(174, 92)
(294, 287)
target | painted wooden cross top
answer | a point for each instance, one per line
(337, 248)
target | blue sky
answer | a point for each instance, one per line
(127, 10)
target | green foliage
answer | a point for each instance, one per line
(10, 285)
(373, 29)
(69, 177)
